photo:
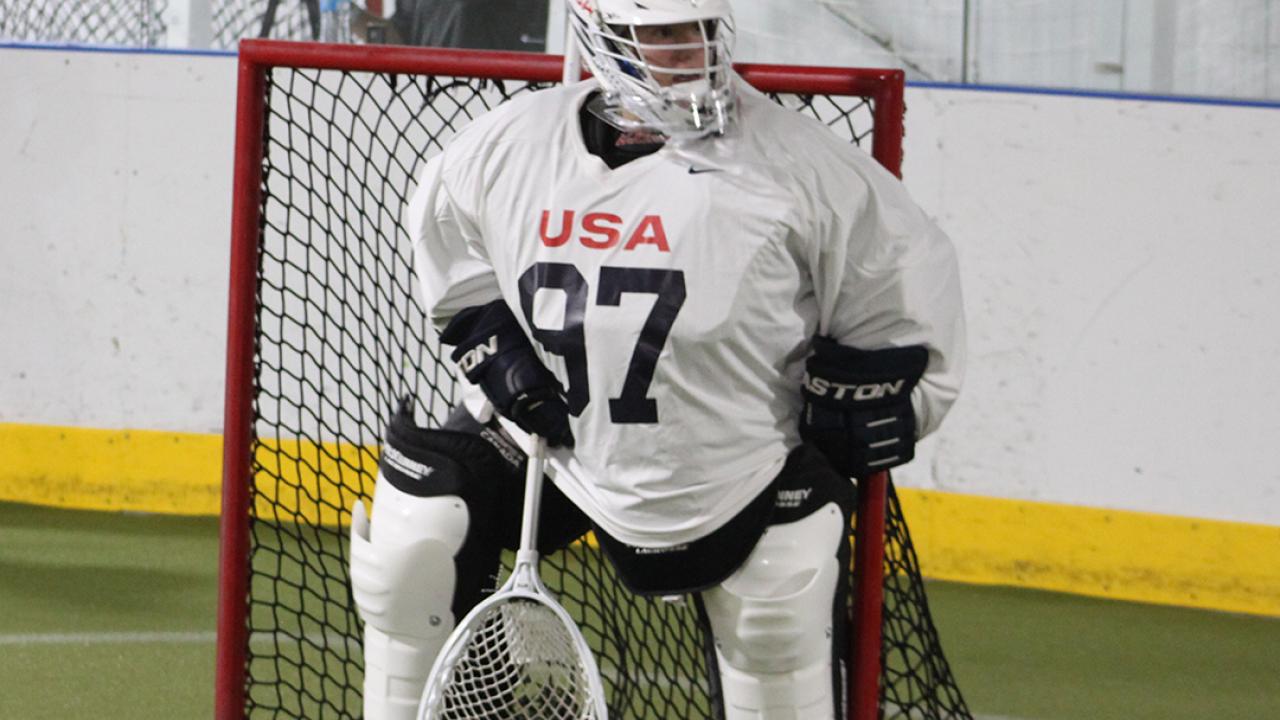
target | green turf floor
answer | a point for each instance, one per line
(110, 616)
(1041, 655)
(81, 593)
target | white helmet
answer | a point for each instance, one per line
(695, 101)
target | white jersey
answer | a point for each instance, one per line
(675, 297)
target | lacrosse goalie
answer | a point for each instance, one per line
(715, 311)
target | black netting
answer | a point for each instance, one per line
(915, 679)
(340, 337)
(135, 23)
(234, 20)
(141, 23)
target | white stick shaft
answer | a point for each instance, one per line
(572, 57)
(532, 495)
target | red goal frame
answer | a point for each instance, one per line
(883, 86)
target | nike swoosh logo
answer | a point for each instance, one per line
(699, 171)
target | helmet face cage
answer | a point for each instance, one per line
(695, 102)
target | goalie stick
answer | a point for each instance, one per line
(517, 654)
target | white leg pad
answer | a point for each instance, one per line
(395, 673)
(402, 580)
(772, 622)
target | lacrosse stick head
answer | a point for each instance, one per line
(518, 656)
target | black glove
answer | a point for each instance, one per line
(495, 354)
(857, 405)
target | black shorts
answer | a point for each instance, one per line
(805, 483)
(492, 485)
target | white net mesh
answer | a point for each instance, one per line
(519, 661)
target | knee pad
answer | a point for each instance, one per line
(405, 557)
(417, 565)
(402, 581)
(773, 620)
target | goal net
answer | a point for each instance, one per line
(136, 23)
(146, 23)
(326, 335)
